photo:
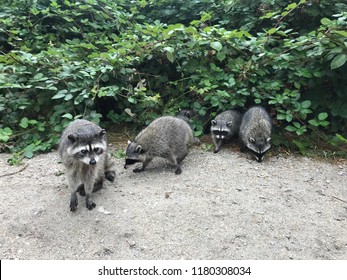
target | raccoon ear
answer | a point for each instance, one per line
(268, 140)
(129, 142)
(102, 132)
(213, 122)
(187, 114)
(72, 137)
(138, 149)
(252, 140)
(229, 123)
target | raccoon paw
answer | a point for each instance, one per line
(178, 171)
(81, 190)
(216, 151)
(138, 169)
(90, 205)
(110, 175)
(97, 186)
(73, 202)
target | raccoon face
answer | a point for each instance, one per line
(219, 129)
(134, 153)
(259, 147)
(87, 149)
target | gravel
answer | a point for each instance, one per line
(222, 206)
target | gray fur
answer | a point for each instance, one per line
(83, 151)
(166, 137)
(186, 116)
(255, 131)
(225, 126)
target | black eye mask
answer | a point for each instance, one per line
(223, 132)
(259, 156)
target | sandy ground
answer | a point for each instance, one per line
(222, 206)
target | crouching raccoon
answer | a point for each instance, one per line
(166, 137)
(83, 151)
(225, 126)
(255, 132)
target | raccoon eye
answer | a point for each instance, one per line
(84, 152)
(97, 150)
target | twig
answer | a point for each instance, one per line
(339, 199)
(15, 172)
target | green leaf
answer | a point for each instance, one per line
(338, 61)
(291, 6)
(324, 123)
(290, 128)
(68, 97)
(29, 151)
(306, 104)
(271, 31)
(38, 76)
(296, 124)
(340, 32)
(325, 21)
(132, 100)
(24, 123)
(170, 57)
(5, 134)
(231, 81)
(128, 111)
(217, 46)
(221, 56)
(341, 138)
(281, 116)
(313, 122)
(60, 94)
(322, 116)
(67, 116)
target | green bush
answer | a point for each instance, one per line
(129, 62)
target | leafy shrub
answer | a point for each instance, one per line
(115, 62)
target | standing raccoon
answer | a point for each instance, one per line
(224, 127)
(83, 151)
(255, 132)
(166, 137)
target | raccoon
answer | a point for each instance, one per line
(255, 132)
(83, 151)
(166, 137)
(185, 115)
(193, 117)
(224, 127)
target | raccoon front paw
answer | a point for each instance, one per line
(73, 202)
(216, 151)
(138, 169)
(110, 175)
(90, 205)
(178, 171)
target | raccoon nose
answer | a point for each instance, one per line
(92, 162)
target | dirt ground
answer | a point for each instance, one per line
(222, 206)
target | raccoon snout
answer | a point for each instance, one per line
(92, 161)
